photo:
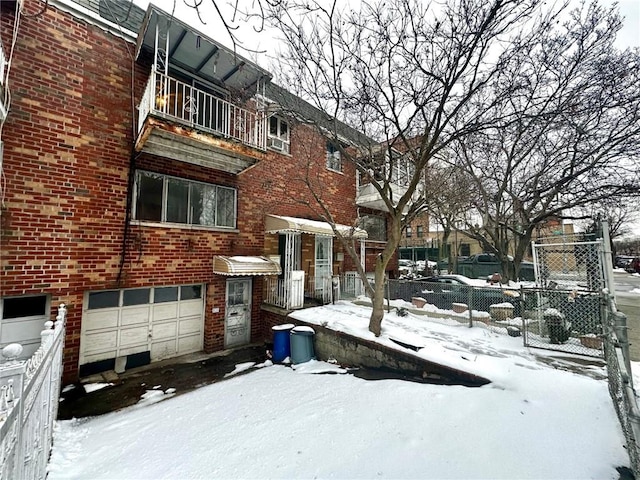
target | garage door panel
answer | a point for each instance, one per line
(131, 350)
(135, 315)
(190, 325)
(22, 331)
(166, 349)
(189, 344)
(190, 308)
(165, 330)
(97, 357)
(134, 336)
(165, 311)
(99, 320)
(100, 342)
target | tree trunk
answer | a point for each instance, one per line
(377, 301)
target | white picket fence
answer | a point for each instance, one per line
(29, 392)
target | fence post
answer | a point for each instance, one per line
(470, 307)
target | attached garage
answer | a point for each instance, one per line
(135, 326)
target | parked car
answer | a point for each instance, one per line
(482, 265)
(634, 265)
(623, 261)
(405, 266)
(444, 290)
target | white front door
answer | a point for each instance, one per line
(237, 324)
(323, 266)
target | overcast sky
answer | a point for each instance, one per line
(629, 36)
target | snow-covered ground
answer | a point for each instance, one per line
(532, 421)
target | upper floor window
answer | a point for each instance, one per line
(334, 160)
(376, 227)
(409, 232)
(162, 198)
(420, 231)
(278, 134)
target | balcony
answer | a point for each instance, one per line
(185, 113)
(179, 121)
(369, 197)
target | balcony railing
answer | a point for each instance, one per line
(293, 294)
(368, 196)
(172, 99)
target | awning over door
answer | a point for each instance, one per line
(245, 265)
(279, 224)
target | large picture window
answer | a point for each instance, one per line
(161, 198)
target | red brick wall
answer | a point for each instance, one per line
(67, 159)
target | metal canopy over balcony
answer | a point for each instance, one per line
(198, 54)
(280, 224)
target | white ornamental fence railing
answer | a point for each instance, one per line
(29, 391)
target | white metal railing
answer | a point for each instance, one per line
(285, 293)
(351, 285)
(29, 392)
(176, 100)
(320, 289)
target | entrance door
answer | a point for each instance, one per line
(237, 325)
(323, 267)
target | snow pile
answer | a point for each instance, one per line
(532, 422)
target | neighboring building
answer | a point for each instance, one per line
(156, 183)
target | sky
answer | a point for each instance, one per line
(315, 420)
(629, 36)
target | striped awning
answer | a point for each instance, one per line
(279, 224)
(245, 265)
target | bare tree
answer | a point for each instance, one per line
(416, 77)
(572, 135)
(536, 111)
(448, 199)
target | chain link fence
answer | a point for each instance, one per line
(557, 319)
(568, 309)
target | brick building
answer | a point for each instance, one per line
(160, 186)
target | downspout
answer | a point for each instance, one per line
(127, 216)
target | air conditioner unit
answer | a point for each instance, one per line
(276, 144)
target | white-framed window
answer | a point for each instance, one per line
(375, 226)
(334, 160)
(409, 232)
(167, 199)
(278, 138)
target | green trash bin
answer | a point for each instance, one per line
(301, 342)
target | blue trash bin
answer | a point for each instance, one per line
(281, 341)
(302, 344)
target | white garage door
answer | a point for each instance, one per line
(165, 321)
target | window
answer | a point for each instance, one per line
(420, 231)
(165, 294)
(161, 198)
(106, 299)
(334, 160)
(409, 232)
(138, 296)
(278, 138)
(465, 249)
(190, 292)
(376, 227)
(18, 307)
